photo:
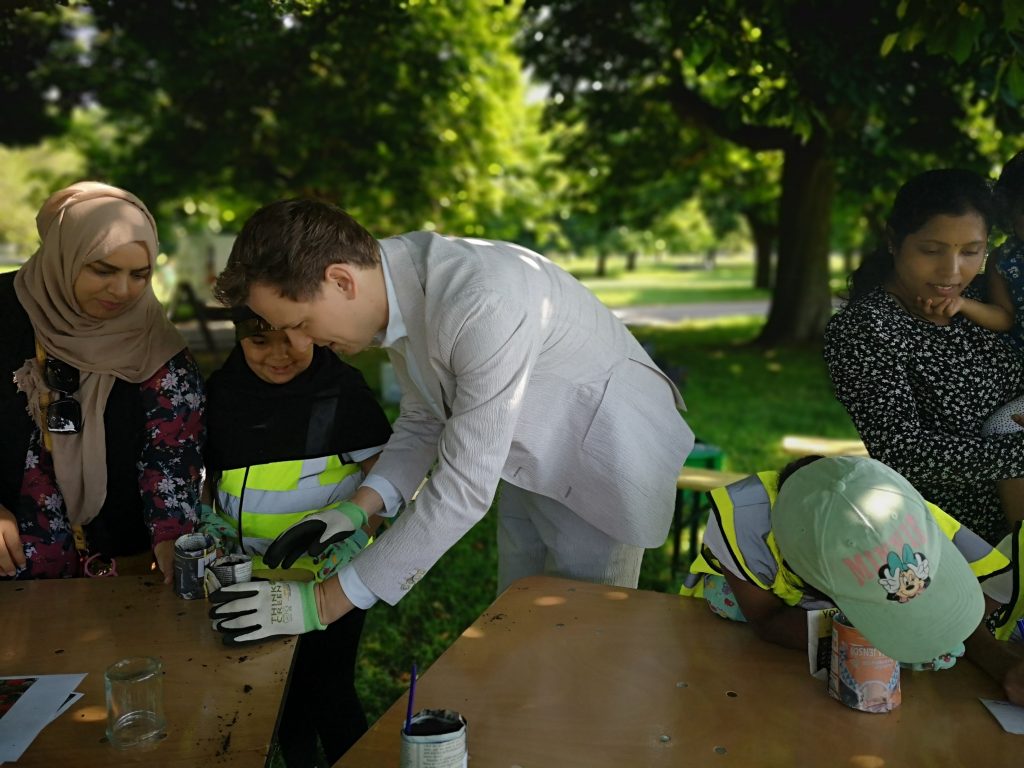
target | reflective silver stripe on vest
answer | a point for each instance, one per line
(752, 521)
(971, 545)
(252, 545)
(309, 496)
(311, 471)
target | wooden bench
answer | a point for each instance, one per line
(698, 481)
(807, 445)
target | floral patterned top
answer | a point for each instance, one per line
(1009, 262)
(918, 394)
(169, 473)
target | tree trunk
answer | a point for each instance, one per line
(801, 300)
(602, 263)
(764, 233)
(631, 261)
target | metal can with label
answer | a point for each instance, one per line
(193, 554)
(436, 738)
(861, 676)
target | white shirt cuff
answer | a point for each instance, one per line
(355, 590)
(363, 454)
(392, 498)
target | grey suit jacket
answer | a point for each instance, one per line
(530, 379)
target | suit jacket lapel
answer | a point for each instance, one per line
(412, 305)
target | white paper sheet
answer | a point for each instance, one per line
(37, 701)
(1010, 716)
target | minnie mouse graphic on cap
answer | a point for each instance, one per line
(904, 577)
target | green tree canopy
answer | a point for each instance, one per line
(408, 114)
(816, 80)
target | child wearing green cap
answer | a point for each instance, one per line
(850, 532)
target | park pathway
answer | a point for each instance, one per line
(656, 314)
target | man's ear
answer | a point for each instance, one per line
(342, 277)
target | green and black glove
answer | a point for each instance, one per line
(257, 610)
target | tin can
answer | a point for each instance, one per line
(232, 569)
(861, 676)
(193, 553)
(436, 739)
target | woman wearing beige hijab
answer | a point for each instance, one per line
(101, 404)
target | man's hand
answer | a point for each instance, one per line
(12, 553)
(258, 610)
(164, 554)
(314, 533)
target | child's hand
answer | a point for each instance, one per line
(941, 307)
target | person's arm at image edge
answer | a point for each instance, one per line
(1002, 661)
(772, 620)
(999, 313)
(173, 452)
(12, 553)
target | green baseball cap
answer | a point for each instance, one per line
(859, 532)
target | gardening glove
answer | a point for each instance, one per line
(256, 610)
(314, 533)
(945, 661)
(338, 554)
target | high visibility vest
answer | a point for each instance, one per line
(743, 512)
(263, 500)
(1013, 610)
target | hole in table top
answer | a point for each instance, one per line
(720, 750)
(731, 694)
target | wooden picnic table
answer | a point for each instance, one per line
(221, 704)
(576, 675)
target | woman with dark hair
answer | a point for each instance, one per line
(101, 403)
(917, 376)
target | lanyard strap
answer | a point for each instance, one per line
(44, 400)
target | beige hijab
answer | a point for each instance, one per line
(77, 226)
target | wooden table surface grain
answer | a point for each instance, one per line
(564, 673)
(221, 704)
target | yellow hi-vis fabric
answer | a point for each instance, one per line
(263, 500)
(1013, 610)
(750, 541)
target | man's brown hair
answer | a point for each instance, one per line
(289, 245)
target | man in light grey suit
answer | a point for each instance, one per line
(510, 371)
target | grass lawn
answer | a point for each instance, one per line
(742, 398)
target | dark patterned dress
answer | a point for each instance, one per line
(918, 394)
(1009, 262)
(167, 474)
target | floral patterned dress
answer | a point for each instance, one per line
(169, 473)
(918, 394)
(1009, 263)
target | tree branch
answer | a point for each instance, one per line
(690, 107)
